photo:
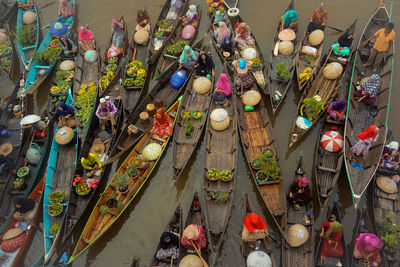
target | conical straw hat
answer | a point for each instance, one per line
(386, 184)
(297, 235)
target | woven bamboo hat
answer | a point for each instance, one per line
(386, 184)
(12, 233)
(190, 261)
(6, 149)
(297, 235)
(64, 135)
(97, 149)
(251, 98)
(202, 85)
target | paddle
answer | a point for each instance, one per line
(199, 254)
(333, 28)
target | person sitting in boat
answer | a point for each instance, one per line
(342, 47)
(118, 33)
(69, 47)
(86, 39)
(190, 17)
(368, 247)
(227, 46)
(337, 110)
(299, 190)
(188, 58)
(331, 234)
(382, 46)
(222, 90)
(6, 164)
(391, 156)
(205, 65)
(91, 163)
(65, 9)
(106, 111)
(168, 247)
(365, 139)
(318, 19)
(65, 115)
(143, 21)
(163, 126)
(26, 5)
(243, 36)
(368, 89)
(254, 228)
(193, 233)
(38, 129)
(242, 78)
(289, 20)
(221, 32)
(24, 209)
(219, 16)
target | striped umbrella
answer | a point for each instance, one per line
(332, 141)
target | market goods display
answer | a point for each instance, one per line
(213, 174)
(177, 48)
(333, 70)
(85, 101)
(286, 48)
(316, 37)
(105, 80)
(82, 189)
(225, 175)
(202, 85)
(56, 196)
(111, 67)
(136, 74)
(55, 209)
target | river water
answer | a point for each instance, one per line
(138, 230)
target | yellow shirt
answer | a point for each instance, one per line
(382, 40)
(88, 163)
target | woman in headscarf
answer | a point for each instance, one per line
(65, 9)
(289, 20)
(118, 33)
(190, 17)
(254, 228)
(243, 36)
(25, 209)
(337, 110)
(168, 246)
(342, 47)
(65, 115)
(163, 126)
(242, 76)
(221, 32)
(227, 46)
(69, 47)
(365, 139)
(205, 65)
(368, 89)
(318, 19)
(368, 247)
(188, 58)
(222, 90)
(86, 39)
(143, 21)
(299, 190)
(196, 234)
(331, 234)
(391, 155)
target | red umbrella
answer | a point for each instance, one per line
(332, 141)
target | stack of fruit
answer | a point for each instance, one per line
(136, 73)
(85, 101)
(106, 79)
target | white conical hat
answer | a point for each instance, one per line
(29, 119)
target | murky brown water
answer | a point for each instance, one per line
(138, 230)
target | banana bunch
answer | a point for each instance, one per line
(55, 89)
(70, 76)
(305, 75)
(256, 61)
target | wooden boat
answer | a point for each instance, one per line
(162, 95)
(60, 170)
(332, 261)
(157, 44)
(196, 216)
(174, 226)
(385, 204)
(358, 115)
(7, 60)
(13, 258)
(182, 146)
(10, 193)
(304, 254)
(278, 86)
(325, 88)
(263, 244)
(256, 134)
(109, 88)
(34, 78)
(7, 10)
(220, 154)
(98, 222)
(25, 50)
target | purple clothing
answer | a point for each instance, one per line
(109, 109)
(304, 196)
(339, 105)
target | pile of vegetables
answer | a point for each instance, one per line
(85, 101)
(196, 114)
(213, 174)
(177, 48)
(23, 171)
(82, 189)
(218, 196)
(6, 64)
(106, 79)
(5, 49)
(18, 183)
(164, 25)
(111, 67)
(54, 229)
(136, 72)
(225, 175)
(55, 209)
(64, 75)
(56, 196)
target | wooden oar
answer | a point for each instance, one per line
(199, 254)
(333, 28)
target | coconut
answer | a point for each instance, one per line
(286, 48)
(67, 65)
(249, 53)
(316, 37)
(386, 184)
(141, 37)
(29, 17)
(3, 37)
(191, 261)
(202, 85)
(333, 70)
(251, 98)
(297, 235)
(219, 119)
(258, 259)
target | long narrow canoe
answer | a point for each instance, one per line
(174, 226)
(34, 78)
(304, 254)
(25, 50)
(168, 13)
(7, 59)
(277, 86)
(182, 146)
(332, 261)
(221, 154)
(263, 244)
(13, 258)
(325, 88)
(358, 116)
(99, 223)
(60, 170)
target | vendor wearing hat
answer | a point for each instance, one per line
(243, 78)
(254, 228)
(383, 45)
(106, 111)
(65, 115)
(90, 162)
(368, 247)
(299, 190)
(39, 129)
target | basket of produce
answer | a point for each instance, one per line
(56, 197)
(112, 60)
(213, 174)
(63, 85)
(111, 67)
(196, 114)
(7, 50)
(55, 43)
(55, 209)
(139, 81)
(129, 82)
(82, 189)
(176, 49)
(55, 90)
(23, 172)
(185, 114)
(226, 175)
(256, 63)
